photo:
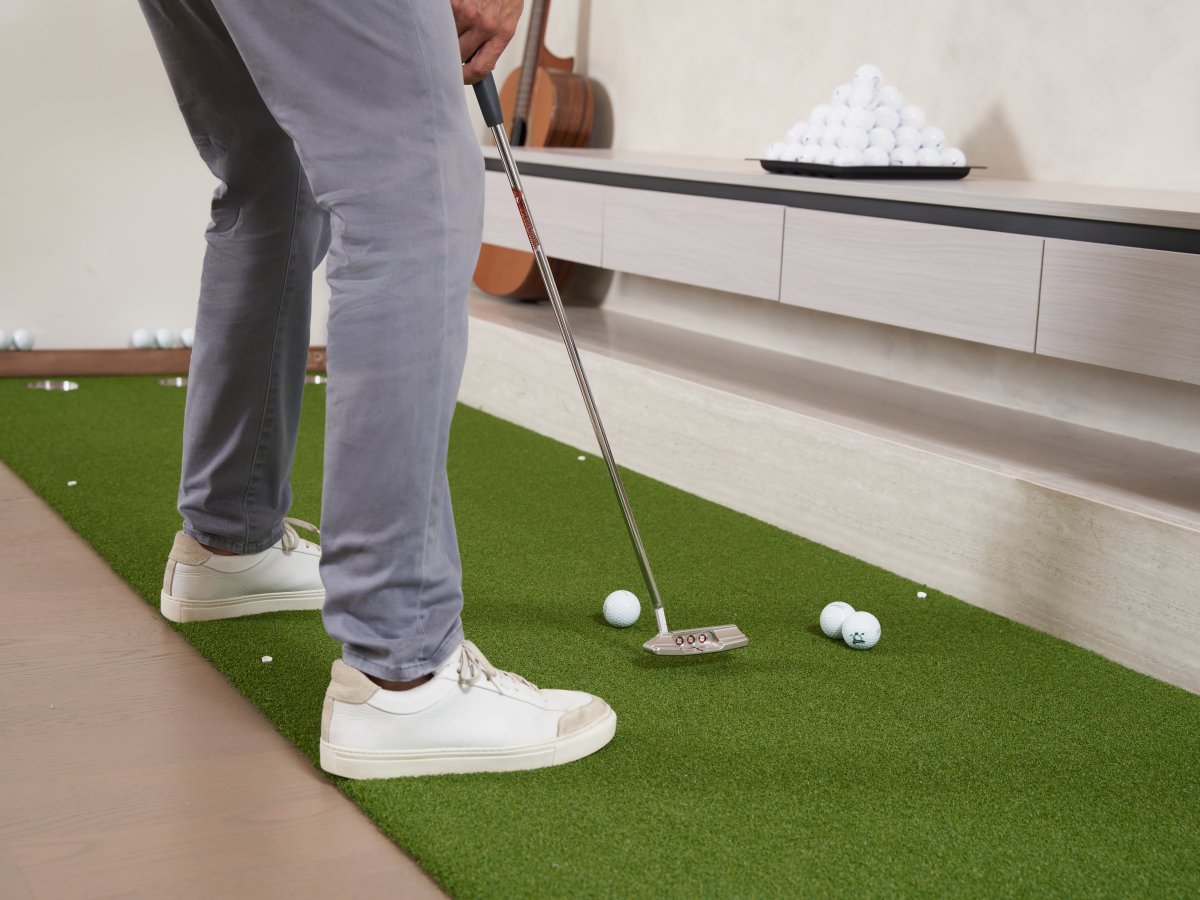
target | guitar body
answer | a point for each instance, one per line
(557, 111)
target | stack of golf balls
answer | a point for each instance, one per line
(866, 123)
(859, 630)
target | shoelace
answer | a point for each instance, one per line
(473, 665)
(291, 540)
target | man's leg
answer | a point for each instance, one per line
(372, 95)
(266, 236)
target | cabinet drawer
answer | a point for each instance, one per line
(729, 245)
(1122, 307)
(974, 285)
(569, 216)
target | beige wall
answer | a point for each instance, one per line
(107, 199)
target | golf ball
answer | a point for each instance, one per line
(863, 98)
(142, 339)
(621, 609)
(830, 135)
(808, 153)
(861, 631)
(952, 156)
(904, 156)
(860, 118)
(929, 156)
(876, 156)
(868, 75)
(826, 155)
(932, 136)
(848, 156)
(819, 115)
(886, 117)
(853, 139)
(5, 340)
(883, 139)
(164, 338)
(22, 339)
(832, 617)
(907, 136)
(890, 97)
(791, 152)
(795, 134)
(187, 337)
(913, 116)
(775, 150)
(837, 116)
(841, 95)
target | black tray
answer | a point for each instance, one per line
(824, 171)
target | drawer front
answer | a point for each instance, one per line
(568, 214)
(1122, 307)
(974, 285)
(728, 245)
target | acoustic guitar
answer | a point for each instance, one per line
(549, 105)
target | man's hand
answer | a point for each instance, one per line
(484, 29)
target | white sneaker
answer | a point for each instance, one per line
(199, 585)
(470, 717)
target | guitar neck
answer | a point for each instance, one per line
(539, 10)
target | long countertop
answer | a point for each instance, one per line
(1134, 206)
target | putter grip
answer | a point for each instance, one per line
(489, 102)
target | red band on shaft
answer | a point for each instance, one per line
(529, 232)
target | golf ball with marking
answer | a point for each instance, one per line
(795, 134)
(621, 609)
(861, 631)
(832, 617)
(952, 156)
(904, 156)
(932, 136)
(791, 152)
(808, 153)
(868, 75)
(841, 95)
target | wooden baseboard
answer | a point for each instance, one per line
(65, 363)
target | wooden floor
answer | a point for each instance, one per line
(130, 767)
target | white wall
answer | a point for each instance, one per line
(107, 199)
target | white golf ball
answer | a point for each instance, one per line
(848, 156)
(860, 118)
(863, 98)
(854, 139)
(907, 136)
(22, 339)
(876, 156)
(929, 156)
(913, 116)
(812, 137)
(621, 609)
(890, 97)
(164, 338)
(837, 116)
(932, 136)
(808, 153)
(795, 134)
(830, 135)
(904, 156)
(775, 150)
(5, 340)
(868, 75)
(187, 337)
(819, 115)
(886, 117)
(841, 95)
(142, 339)
(861, 631)
(791, 152)
(826, 155)
(832, 617)
(952, 156)
(883, 139)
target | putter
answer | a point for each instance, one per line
(666, 642)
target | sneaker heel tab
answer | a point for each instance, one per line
(187, 550)
(349, 685)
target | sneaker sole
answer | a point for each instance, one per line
(364, 764)
(178, 609)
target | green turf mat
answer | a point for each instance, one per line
(965, 755)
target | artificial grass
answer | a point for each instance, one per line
(965, 755)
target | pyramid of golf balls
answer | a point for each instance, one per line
(866, 123)
(859, 630)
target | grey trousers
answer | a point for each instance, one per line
(336, 127)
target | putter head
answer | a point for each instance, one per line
(697, 640)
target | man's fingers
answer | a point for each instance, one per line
(484, 60)
(469, 43)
